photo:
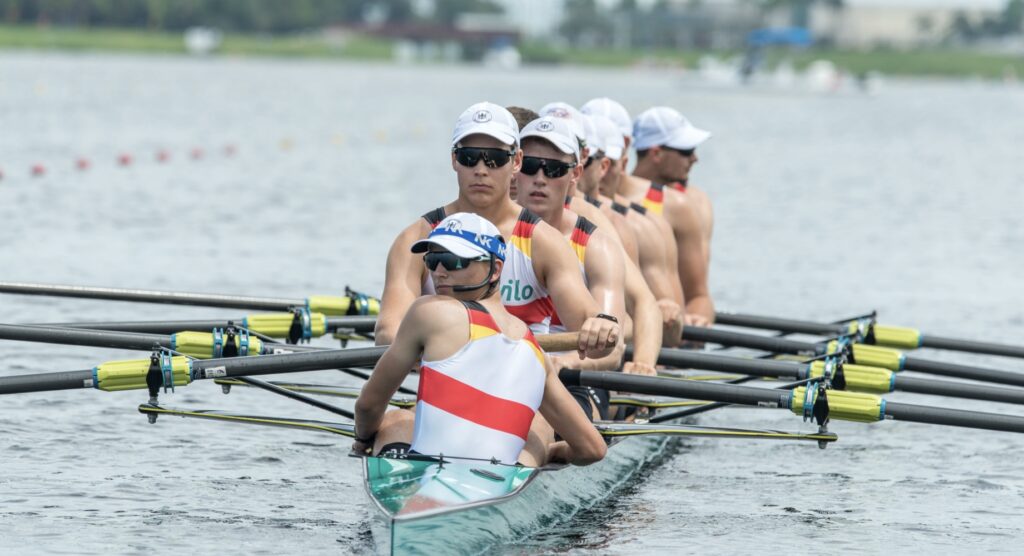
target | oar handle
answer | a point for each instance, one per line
(563, 341)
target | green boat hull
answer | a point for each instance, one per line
(464, 507)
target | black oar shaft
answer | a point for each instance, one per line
(726, 364)
(151, 296)
(286, 363)
(356, 323)
(95, 338)
(969, 372)
(296, 396)
(954, 417)
(966, 390)
(752, 341)
(45, 382)
(970, 346)
(790, 326)
(692, 389)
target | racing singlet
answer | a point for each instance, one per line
(655, 198)
(479, 402)
(620, 208)
(678, 186)
(568, 200)
(521, 291)
(578, 240)
(592, 200)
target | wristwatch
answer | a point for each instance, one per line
(606, 316)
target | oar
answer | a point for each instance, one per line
(883, 335)
(274, 325)
(352, 303)
(875, 356)
(180, 371)
(845, 406)
(856, 378)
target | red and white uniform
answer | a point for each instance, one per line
(520, 290)
(479, 402)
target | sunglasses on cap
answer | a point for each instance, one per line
(552, 168)
(682, 152)
(450, 261)
(493, 158)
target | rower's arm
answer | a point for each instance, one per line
(403, 282)
(647, 322)
(558, 269)
(671, 250)
(606, 282)
(581, 444)
(693, 261)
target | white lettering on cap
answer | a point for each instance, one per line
(545, 126)
(482, 116)
(483, 240)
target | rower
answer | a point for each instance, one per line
(599, 188)
(541, 274)
(550, 166)
(483, 377)
(666, 145)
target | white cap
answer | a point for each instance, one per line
(556, 131)
(568, 112)
(465, 234)
(664, 126)
(487, 118)
(594, 139)
(612, 110)
(614, 142)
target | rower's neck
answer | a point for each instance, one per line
(647, 172)
(629, 185)
(556, 217)
(497, 213)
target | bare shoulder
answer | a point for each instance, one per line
(432, 312)
(412, 233)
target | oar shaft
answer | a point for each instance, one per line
(45, 382)
(286, 363)
(789, 326)
(752, 341)
(95, 338)
(954, 417)
(970, 346)
(966, 390)
(726, 364)
(969, 372)
(692, 389)
(356, 323)
(153, 296)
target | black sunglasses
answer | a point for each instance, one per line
(552, 168)
(450, 261)
(683, 152)
(493, 158)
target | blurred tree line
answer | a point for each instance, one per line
(256, 16)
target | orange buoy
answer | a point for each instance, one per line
(124, 159)
(82, 163)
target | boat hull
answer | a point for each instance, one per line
(466, 507)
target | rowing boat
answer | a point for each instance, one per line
(426, 507)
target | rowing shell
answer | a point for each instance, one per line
(424, 507)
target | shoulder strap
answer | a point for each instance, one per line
(585, 226)
(638, 207)
(528, 217)
(568, 200)
(593, 200)
(620, 208)
(434, 217)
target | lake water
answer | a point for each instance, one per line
(907, 201)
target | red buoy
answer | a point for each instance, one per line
(38, 170)
(197, 153)
(124, 159)
(82, 163)
(162, 156)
